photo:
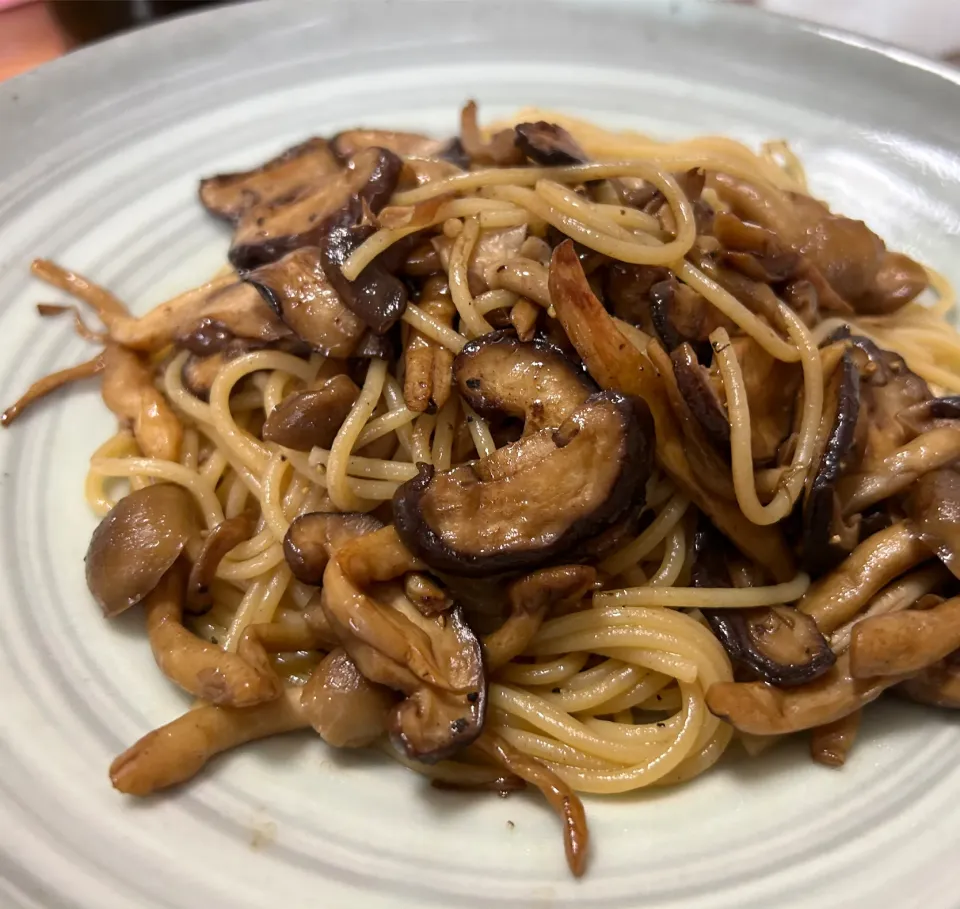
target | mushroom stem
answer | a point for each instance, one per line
(128, 391)
(830, 744)
(377, 556)
(931, 451)
(203, 669)
(98, 298)
(761, 709)
(839, 596)
(563, 800)
(938, 685)
(905, 642)
(176, 752)
(49, 384)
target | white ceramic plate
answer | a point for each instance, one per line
(99, 159)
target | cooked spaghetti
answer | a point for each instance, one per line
(546, 455)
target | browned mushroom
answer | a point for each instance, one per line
(879, 559)
(136, 544)
(304, 419)
(313, 537)
(436, 662)
(533, 500)
(616, 364)
(938, 685)
(897, 472)
(201, 668)
(270, 229)
(762, 709)
(342, 705)
(827, 537)
(426, 593)
(178, 751)
(830, 744)
(701, 395)
(49, 384)
(523, 317)
(221, 539)
(548, 144)
(626, 289)
(287, 176)
(933, 413)
(497, 374)
(904, 642)
(351, 141)
(128, 390)
(531, 598)
(934, 509)
(500, 150)
(376, 295)
(298, 290)
(427, 365)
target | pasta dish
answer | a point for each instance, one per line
(543, 456)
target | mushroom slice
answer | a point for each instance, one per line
(198, 667)
(532, 500)
(757, 252)
(778, 643)
(904, 642)
(897, 281)
(352, 141)
(938, 685)
(227, 534)
(297, 289)
(436, 662)
(934, 508)
(498, 374)
(427, 365)
(626, 289)
(548, 144)
(128, 390)
(136, 544)
(879, 559)
(693, 381)
(230, 196)
(269, 230)
(342, 705)
(313, 537)
(762, 709)
(679, 314)
(305, 419)
(493, 249)
(827, 538)
(830, 744)
(378, 297)
(531, 598)
(178, 751)
(615, 363)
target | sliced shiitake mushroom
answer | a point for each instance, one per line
(304, 419)
(206, 324)
(498, 374)
(136, 544)
(378, 297)
(778, 643)
(297, 289)
(347, 709)
(679, 314)
(548, 144)
(314, 536)
(936, 413)
(701, 395)
(435, 661)
(269, 230)
(827, 537)
(535, 499)
(287, 176)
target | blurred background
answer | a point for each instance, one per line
(34, 31)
